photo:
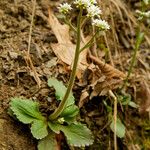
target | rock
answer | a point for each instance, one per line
(13, 55)
(2, 121)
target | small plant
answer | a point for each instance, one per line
(142, 15)
(63, 119)
(120, 128)
(44, 128)
(124, 100)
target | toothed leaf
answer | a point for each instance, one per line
(133, 104)
(48, 143)
(78, 135)
(55, 127)
(25, 110)
(39, 129)
(70, 111)
(60, 90)
(69, 114)
(120, 128)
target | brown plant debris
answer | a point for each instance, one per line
(144, 97)
(65, 49)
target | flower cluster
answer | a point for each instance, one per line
(64, 8)
(102, 24)
(93, 12)
(84, 3)
(93, 1)
(146, 2)
(144, 14)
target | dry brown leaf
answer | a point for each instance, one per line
(33, 70)
(109, 71)
(83, 98)
(144, 97)
(65, 49)
(102, 78)
(109, 79)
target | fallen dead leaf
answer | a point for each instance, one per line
(144, 96)
(83, 98)
(32, 69)
(102, 78)
(65, 49)
(108, 70)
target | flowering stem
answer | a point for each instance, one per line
(63, 103)
(84, 21)
(70, 25)
(139, 39)
(89, 42)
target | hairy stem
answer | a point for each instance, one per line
(89, 42)
(115, 118)
(31, 26)
(68, 22)
(139, 39)
(63, 103)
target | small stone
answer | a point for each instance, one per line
(13, 55)
(2, 121)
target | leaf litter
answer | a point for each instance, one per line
(65, 51)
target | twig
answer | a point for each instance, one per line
(27, 57)
(109, 52)
(63, 103)
(31, 66)
(31, 26)
(139, 39)
(115, 117)
(94, 45)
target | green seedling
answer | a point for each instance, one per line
(126, 100)
(142, 14)
(120, 128)
(63, 119)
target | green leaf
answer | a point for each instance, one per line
(120, 128)
(109, 109)
(133, 104)
(125, 99)
(48, 143)
(60, 90)
(139, 38)
(39, 129)
(70, 111)
(77, 135)
(69, 114)
(25, 110)
(55, 127)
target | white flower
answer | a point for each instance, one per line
(101, 24)
(93, 1)
(93, 11)
(143, 14)
(147, 14)
(84, 3)
(64, 8)
(146, 2)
